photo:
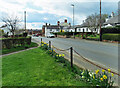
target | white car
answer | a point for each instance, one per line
(50, 35)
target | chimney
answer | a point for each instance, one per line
(65, 20)
(49, 24)
(46, 24)
(112, 15)
(70, 24)
(58, 23)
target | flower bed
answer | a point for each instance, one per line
(98, 78)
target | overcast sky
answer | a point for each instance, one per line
(40, 12)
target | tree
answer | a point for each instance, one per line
(93, 21)
(12, 23)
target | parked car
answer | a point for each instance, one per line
(50, 35)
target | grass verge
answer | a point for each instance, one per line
(18, 48)
(36, 68)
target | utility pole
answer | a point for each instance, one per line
(25, 19)
(100, 23)
(73, 19)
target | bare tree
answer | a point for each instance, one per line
(93, 21)
(11, 23)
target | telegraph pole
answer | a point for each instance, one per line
(73, 19)
(100, 23)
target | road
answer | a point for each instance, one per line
(100, 52)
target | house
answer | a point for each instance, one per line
(113, 21)
(48, 28)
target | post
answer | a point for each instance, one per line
(50, 44)
(41, 41)
(71, 56)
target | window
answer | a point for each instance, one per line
(50, 29)
(79, 29)
(87, 29)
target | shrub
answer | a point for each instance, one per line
(113, 37)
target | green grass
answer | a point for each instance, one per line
(36, 68)
(94, 37)
(18, 48)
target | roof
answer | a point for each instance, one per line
(52, 26)
(113, 20)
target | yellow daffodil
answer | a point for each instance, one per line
(104, 76)
(83, 77)
(109, 70)
(63, 55)
(112, 74)
(47, 44)
(53, 50)
(101, 79)
(103, 70)
(60, 55)
(42, 44)
(57, 55)
(96, 71)
(93, 77)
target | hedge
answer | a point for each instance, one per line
(112, 37)
(111, 30)
(13, 42)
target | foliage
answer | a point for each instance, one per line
(112, 37)
(35, 68)
(18, 48)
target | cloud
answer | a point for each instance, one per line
(42, 11)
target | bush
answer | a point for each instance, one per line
(25, 34)
(113, 37)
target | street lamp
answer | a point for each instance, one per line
(100, 23)
(73, 19)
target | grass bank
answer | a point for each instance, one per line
(18, 48)
(36, 68)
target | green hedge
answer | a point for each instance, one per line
(13, 42)
(112, 37)
(111, 30)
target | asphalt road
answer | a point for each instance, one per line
(100, 52)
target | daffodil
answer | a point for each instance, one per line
(53, 50)
(103, 70)
(109, 70)
(63, 55)
(60, 55)
(57, 55)
(96, 71)
(83, 77)
(104, 76)
(42, 44)
(112, 74)
(93, 76)
(101, 79)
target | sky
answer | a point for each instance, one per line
(40, 12)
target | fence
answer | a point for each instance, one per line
(71, 51)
